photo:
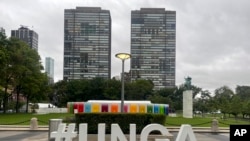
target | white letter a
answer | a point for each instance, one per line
(237, 132)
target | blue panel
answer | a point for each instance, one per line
(87, 107)
(166, 109)
(156, 108)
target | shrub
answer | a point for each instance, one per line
(123, 120)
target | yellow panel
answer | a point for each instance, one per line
(142, 108)
(95, 108)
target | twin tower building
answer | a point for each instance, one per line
(87, 45)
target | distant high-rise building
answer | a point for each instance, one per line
(153, 49)
(87, 43)
(2, 30)
(49, 69)
(27, 35)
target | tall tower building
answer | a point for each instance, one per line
(153, 47)
(27, 35)
(49, 69)
(87, 43)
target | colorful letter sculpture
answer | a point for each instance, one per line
(114, 107)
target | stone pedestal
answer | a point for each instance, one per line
(53, 126)
(188, 104)
(214, 126)
(33, 124)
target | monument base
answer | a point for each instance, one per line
(188, 104)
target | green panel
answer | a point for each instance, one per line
(149, 108)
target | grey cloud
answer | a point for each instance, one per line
(212, 36)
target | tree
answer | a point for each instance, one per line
(5, 69)
(58, 94)
(222, 97)
(201, 103)
(97, 86)
(27, 65)
(18, 63)
(235, 106)
(243, 92)
(138, 90)
(35, 88)
(246, 108)
(178, 95)
(166, 96)
(78, 90)
(157, 98)
(112, 89)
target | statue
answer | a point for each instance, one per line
(187, 83)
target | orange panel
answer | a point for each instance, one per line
(114, 108)
(133, 108)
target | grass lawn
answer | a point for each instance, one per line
(24, 119)
(202, 122)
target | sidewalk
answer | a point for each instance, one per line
(201, 133)
(21, 128)
(91, 137)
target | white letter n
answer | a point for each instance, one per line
(116, 133)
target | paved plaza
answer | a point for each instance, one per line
(43, 136)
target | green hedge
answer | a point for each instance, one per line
(123, 120)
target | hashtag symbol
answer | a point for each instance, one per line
(60, 134)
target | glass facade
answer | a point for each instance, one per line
(49, 69)
(27, 35)
(153, 49)
(87, 43)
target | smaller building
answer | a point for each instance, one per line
(27, 35)
(127, 77)
(49, 69)
(2, 30)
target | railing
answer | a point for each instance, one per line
(193, 125)
(26, 122)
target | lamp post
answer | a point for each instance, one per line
(123, 57)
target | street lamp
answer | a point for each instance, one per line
(123, 57)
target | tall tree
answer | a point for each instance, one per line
(35, 88)
(201, 103)
(243, 92)
(179, 95)
(6, 69)
(58, 94)
(19, 62)
(245, 108)
(27, 64)
(223, 96)
(235, 106)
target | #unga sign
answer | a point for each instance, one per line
(185, 132)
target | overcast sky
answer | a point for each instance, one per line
(213, 36)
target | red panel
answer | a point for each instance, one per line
(81, 107)
(105, 108)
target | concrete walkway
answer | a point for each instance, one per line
(199, 137)
(41, 134)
